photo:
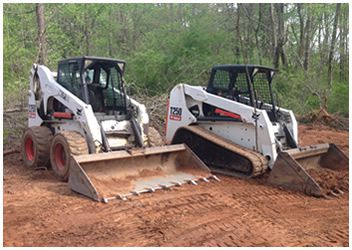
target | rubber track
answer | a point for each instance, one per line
(259, 162)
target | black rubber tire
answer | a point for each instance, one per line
(35, 146)
(62, 147)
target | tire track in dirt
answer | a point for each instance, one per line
(209, 225)
(294, 209)
(232, 212)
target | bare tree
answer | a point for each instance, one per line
(333, 41)
(41, 39)
(278, 33)
(301, 29)
(282, 36)
(274, 35)
(342, 50)
(257, 28)
(307, 41)
(239, 44)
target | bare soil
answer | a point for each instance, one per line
(42, 211)
(329, 180)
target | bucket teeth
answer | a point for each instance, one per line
(333, 194)
(340, 191)
(169, 186)
(163, 186)
(107, 199)
(122, 197)
(177, 184)
(166, 187)
(205, 179)
(215, 177)
(136, 193)
(193, 182)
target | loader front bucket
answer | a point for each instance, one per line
(316, 170)
(119, 174)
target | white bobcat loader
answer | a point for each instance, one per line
(95, 136)
(236, 128)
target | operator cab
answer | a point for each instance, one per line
(97, 81)
(247, 84)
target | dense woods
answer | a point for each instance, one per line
(165, 44)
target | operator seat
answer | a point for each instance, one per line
(96, 98)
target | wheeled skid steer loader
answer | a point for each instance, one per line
(235, 127)
(95, 136)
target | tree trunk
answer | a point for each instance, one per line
(124, 32)
(86, 31)
(307, 43)
(241, 35)
(246, 46)
(281, 33)
(301, 30)
(342, 46)
(326, 30)
(238, 37)
(41, 40)
(320, 21)
(257, 34)
(333, 41)
(274, 37)
(110, 34)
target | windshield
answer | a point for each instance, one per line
(69, 77)
(233, 84)
(261, 87)
(104, 83)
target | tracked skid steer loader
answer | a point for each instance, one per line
(236, 128)
(96, 137)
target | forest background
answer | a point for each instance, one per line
(165, 44)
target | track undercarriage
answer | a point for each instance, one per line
(294, 169)
(220, 155)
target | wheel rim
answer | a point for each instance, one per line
(60, 156)
(29, 148)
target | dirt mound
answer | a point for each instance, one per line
(108, 187)
(316, 134)
(330, 180)
(322, 117)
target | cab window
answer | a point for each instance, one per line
(70, 78)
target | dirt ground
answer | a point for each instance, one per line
(41, 211)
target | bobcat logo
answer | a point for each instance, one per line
(31, 111)
(175, 113)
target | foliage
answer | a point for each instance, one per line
(5, 135)
(338, 102)
(165, 44)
